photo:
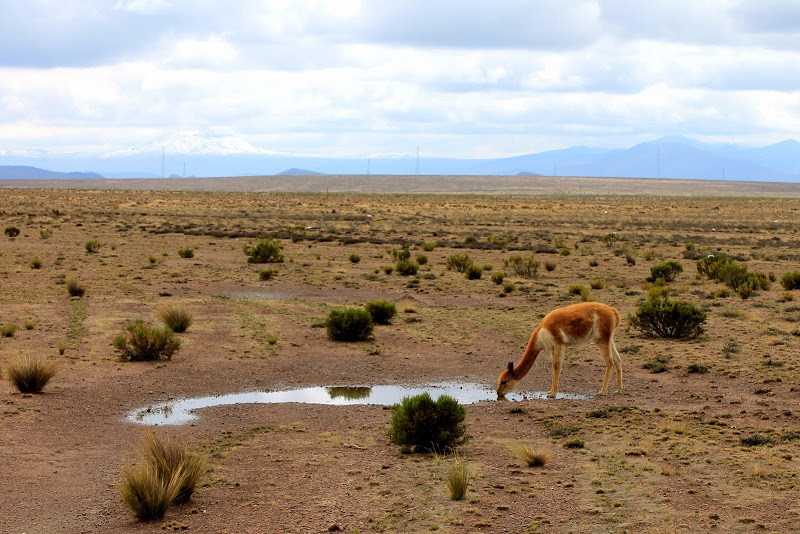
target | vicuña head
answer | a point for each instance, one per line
(587, 322)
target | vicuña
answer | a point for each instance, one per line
(587, 322)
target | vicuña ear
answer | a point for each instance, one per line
(511, 368)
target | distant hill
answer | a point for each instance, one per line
(22, 172)
(301, 172)
(668, 157)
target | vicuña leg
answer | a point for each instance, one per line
(617, 364)
(556, 370)
(605, 351)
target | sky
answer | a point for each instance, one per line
(456, 78)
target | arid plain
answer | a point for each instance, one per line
(710, 441)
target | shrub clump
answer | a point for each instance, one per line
(661, 317)
(175, 318)
(170, 456)
(354, 258)
(92, 246)
(406, 267)
(473, 272)
(75, 289)
(381, 311)
(186, 252)
(266, 251)
(723, 268)
(143, 343)
(667, 271)
(458, 263)
(524, 267)
(458, 477)
(420, 424)
(498, 277)
(29, 374)
(11, 231)
(145, 493)
(267, 274)
(791, 280)
(349, 324)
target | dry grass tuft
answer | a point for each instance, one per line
(458, 477)
(29, 374)
(672, 426)
(142, 489)
(170, 456)
(176, 318)
(533, 456)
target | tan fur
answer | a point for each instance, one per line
(587, 322)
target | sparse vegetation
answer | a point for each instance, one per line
(524, 267)
(420, 424)
(354, 258)
(11, 231)
(498, 277)
(8, 330)
(36, 263)
(186, 252)
(29, 374)
(458, 263)
(406, 268)
(349, 324)
(144, 343)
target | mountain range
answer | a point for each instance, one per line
(195, 155)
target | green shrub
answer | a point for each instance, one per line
(524, 267)
(349, 324)
(402, 254)
(661, 317)
(36, 263)
(170, 457)
(75, 289)
(266, 251)
(597, 283)
(668, 270)
(28, 324)
(143, 491)
(143, 343)
(610, 238)
(583, 291)
(45, 233)
(428, 247)
(422, 259)
(11, 231)
(549, 266)
(186, 252)
(354, 258)
(498, 277)
(755, 440)
(92, 246)
(406, 267)
(8, 330)
(508, 286)
(473, 272)
(723, 268)
(420, 424)
(381, 311)
(267, 274)
(30, 375)
(791, 280)
(388, 269)
(458, 263)
(575, 443)
(175, 318)
(564, 251)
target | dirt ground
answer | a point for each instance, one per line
(668, 454)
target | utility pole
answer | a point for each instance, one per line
(658, 162)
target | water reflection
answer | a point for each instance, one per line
(182, 411)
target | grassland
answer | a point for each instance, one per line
(712, 442)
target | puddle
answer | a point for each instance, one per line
(181, 411)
